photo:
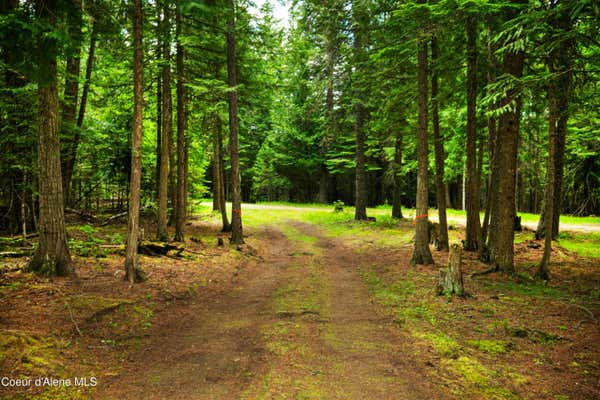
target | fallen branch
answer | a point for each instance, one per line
(195, 252)
(119, 215)
(86, 216)
(112, 218)
(587, 310)
(73, 319)
(13, 269)
(103, 311)
(15, 254)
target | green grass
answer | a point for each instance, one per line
(492, 347)
(386, 231)
(385, 209)
(533, 289)
(392, 295)
(584, 244)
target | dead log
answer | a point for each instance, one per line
(112, 218)
(157, 248)
(15, 254)
(84, 215)
(451, 279)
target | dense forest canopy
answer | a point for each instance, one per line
(353, 101)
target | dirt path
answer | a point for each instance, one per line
(297, 325)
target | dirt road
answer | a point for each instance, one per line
(297, 324)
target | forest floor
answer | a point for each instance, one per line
(313, 306)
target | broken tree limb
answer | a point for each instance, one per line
(16, 254)
(114, 217)
(73, 319)
(119, 215)
(451, 279)
(84, 215)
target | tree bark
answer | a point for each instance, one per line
(181, 135)
(543, 271)
(559, 91)
(473, 233)
(236, 184)
(451, 279)
(89, 66)
(501, 237)
(421, 253)
(52, 255)
(216, 175)
(132, 271)
(440, 190)
(159, 100)
(360, 204)
(331, 55)
(186, 164)
(222, 204)
(70, 137)
(167, 133)
(397, 170)
(563, 85)
(323, 184)
(492, 133)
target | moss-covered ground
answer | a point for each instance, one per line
(314, 306)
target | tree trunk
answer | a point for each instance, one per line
(167, 133)
(473, 232)
(331, 55)
(323, 184)
(397, 170)
(226, 226)
(181, 125)
(421, 253)
(492, 133)
(360, 204)
(132, 272)
(70, 137)
(216, 175)
(562, 93)
(448, 199)
(52, 255)
(501, 237)
(543, 271)
(562, 105)
(172, 170)
(186, 164)
(440, 190)
(159, 100)
(89, 66)
(236, 184)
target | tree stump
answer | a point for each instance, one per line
(451, 280)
